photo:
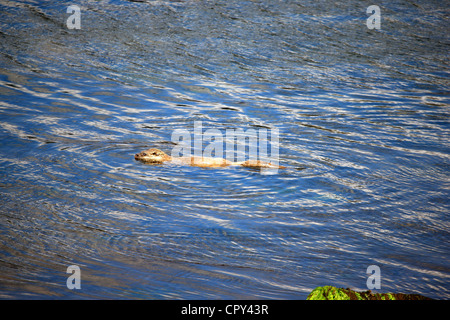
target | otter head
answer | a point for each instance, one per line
(152, 156)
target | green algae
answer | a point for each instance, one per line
(333, 293)
(327, 293)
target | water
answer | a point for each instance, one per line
(363, 117)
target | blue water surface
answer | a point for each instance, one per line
(363, 120)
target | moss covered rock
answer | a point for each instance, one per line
(333, 293)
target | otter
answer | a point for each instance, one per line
(157, 156)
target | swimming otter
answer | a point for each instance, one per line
(158, 156)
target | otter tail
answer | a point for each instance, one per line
(258, 164)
